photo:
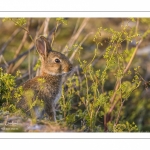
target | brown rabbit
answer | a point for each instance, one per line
(46, 87)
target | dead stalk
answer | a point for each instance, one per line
(11, 67)
(9, 40)
(76, 35)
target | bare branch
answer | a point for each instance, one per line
(10, 69)
(75, 36)
(73, 54)
(45, 32)
(9, 40)
(19, 57)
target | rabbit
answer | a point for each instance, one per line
(47, 86)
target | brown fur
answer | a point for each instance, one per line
(47, 86)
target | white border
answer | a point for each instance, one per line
(74, 5)
(75, 14)
(75, 8)
(75, 135)
(69, 144)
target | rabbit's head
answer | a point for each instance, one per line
(52, 62)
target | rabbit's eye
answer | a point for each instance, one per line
(57, 60)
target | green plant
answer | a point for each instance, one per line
(9, 91)
(88, 105)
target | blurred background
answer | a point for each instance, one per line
(17, 52)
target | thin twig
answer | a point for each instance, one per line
(23, 28)
(75, 36)
(11, 67)
(118, 116)
(52, 31)
(75, 51)
(133, 55)
(3, 59)
(137, 25)
(9, 40)
(19, 57)
(17, 64)
(76, 26)
(46, 22)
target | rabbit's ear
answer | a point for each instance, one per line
(43, 46)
